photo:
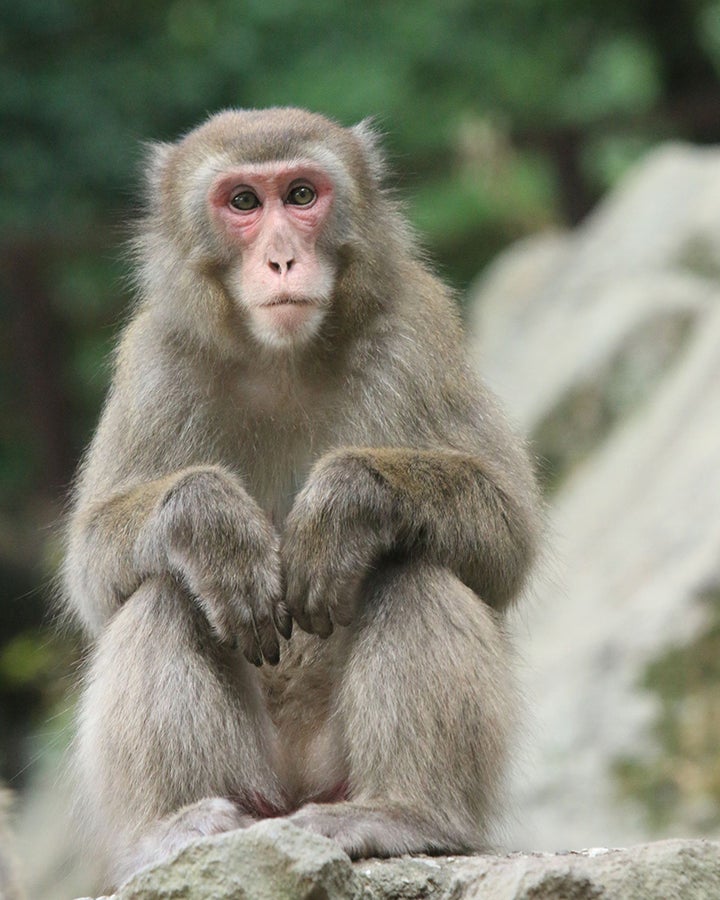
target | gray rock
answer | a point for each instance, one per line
(664, 870)
(549, 309)
(273, 860)
(276, 861)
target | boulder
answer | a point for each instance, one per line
(552, 308)
(605, 346)
(276, 861)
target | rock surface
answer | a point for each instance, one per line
(553, 308)
(605, 346)
(276, 861)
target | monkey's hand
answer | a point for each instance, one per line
(362, 504)
(207, 529)
(341, 523)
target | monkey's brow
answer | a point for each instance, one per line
(304, 159)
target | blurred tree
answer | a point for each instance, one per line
(502, 116)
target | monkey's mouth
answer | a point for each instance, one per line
(285, 317)
(285, 300)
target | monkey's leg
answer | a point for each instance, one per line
(172, 726)
(427, 703)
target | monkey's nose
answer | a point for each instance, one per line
(282, 268)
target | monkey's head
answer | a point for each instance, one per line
(272, 205)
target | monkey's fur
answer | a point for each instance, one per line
(359, 481)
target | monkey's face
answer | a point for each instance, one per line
(258, 221)
(271, 217)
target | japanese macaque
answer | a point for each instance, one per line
(293, 436)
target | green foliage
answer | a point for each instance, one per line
(25, 660)
(85, 81)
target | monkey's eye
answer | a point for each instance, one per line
(245, 200)
(302, 195)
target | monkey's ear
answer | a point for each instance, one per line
(369, 138)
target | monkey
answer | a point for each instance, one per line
(301, 521)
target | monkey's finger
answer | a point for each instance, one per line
(319, 599)
(321, 624)
(250, 648)
(295, 601)
(247, 636)
(283, 620)
(303, 619)
(343, 614)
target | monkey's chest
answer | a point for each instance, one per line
(274, 458)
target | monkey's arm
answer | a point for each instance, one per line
(199, 524)
(360, 505)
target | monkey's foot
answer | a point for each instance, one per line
(166, 837)
(364, 831)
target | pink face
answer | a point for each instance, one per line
(274, 213)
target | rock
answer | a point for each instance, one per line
(276, 861)
(550, 308)
(609, 355)
(686, 869)
(273, 860)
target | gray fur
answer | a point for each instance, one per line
(363, 485)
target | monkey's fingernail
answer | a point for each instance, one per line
(273, 658)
